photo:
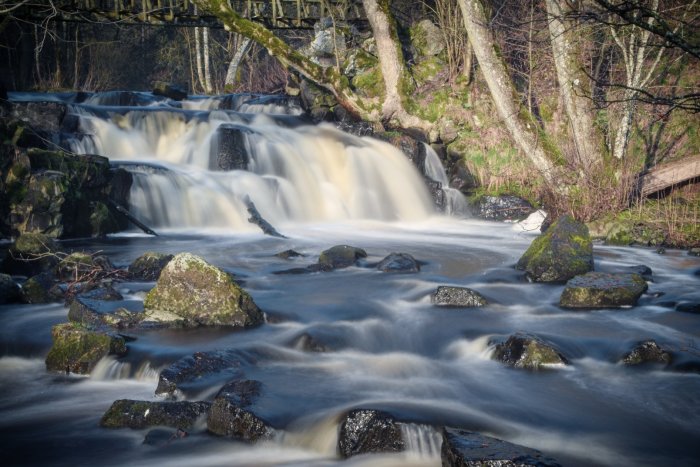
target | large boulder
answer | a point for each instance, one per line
(647, 352)
(529, 352)
(399, 262)
(565, 250)
(340, 256)
(449, 296)
(148, 266)
(232, 147)
(603, 290)
(127, 413)
(38, 289)
(427, 39)
(461, 448)
(192, 291)
(77, 349)
(9, 290)
(231, 416)
(365, 431)
(31, 254)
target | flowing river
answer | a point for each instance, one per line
(387, 346)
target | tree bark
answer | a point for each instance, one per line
(243, 45)
(578, 103)
(208, 87)
(522, 130)
(668, 175)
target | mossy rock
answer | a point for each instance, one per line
(564, 251)
(148, 266)
(31, 254)
(77, 349)
(126, 413)
(37, 289)
(529, 352)
(192, 290)
(647, 352)
(603, 290)
(340, 256)
(426, 70)
(426, 38)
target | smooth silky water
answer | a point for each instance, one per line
(390, 348)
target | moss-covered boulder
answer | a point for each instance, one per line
(603, 290)
(193, 290)
(38, 289)
(340, 256)
(77, 349)
(127, 413)
(647, 352)
(427, 39)
(148, 266)
(31, 254)
(565, 250)
(449, 296)
(527, 351)
(9, 290)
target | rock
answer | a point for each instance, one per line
(565, 250)
(457, 297)
(197, 367)
(437, 193)
(9, 290)
(528, 351)
(694, 251)
(365, 431)
(399, 262)
(340, 256)
(31, 254)
(328, 44)
(287, 254)
(42, 116)
(647, 352)
(77, 349)
(688, 307)
(309, 343)
(410, 146)
(461, 448)
(232, 152)
(37, 289)
(603, 290)
(229, 417)
(427, 39)
(191, 290)
(90, 309)
(162, 437)
(502, 208)
(148, 266)
(127, 413)
(642, 270)
(169, 90)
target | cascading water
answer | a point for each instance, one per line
(455, 203)
(300, 174)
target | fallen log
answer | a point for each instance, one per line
(257, 219)
(125, 212)
(669, 175)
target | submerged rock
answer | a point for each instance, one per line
(642, 270)
(562, 252)
(365, 431)
(192, 292)
(127, 413)
(340, 256)
(309, 343)
(689, 307)
(528, 351)
(647, 352)
(196, 367)
(502, 208)
(77, 349)
(449, 296)
(31, 254)
(462, 448)
(9, 290)
(231, 416)
(603, 290)
(399, 262)
(148, 266)
(287, 254)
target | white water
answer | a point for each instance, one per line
(456, 204)
(309, 173)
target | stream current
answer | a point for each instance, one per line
(389, 348)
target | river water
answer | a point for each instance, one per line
(388, 347)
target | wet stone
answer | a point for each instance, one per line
(448, 296)
(527, 351)
(365, 431)
(148, 266)
(502, 208)
(340, 256)
(226, 418)
(602, 290)
(689, 307)
(399, 262)
(197, 367)
(309, 343)
(77, 349)
(288, 254)
(126, 413)
(647, 352)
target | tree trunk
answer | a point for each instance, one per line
(243, 45)
(502, 90)
(208, 87)
(668, 175)
(578, 103)
(198, 59)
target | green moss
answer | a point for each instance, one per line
(77, 349)
(427, 69)
(369, 83)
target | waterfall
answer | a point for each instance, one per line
(422, 441)
(294, 172)
(456, 204)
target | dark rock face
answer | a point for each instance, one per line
(196, 367)
(340, 256)
(77, 349)
(366, 431)
(126, 413)
(9, 290)
(647, 352)
(457, 297)
(462, 448)
(148, 266)
(502, 208)
(399, 262)
(232, 148)
(44, 115)
(31, 254)
(37, 289)
(410, 146)
(437, 194)
(231, 416)
(689, 307)
(603, 290)
(93, 309)
(529, 352)
(169, 90)
(565, 250)
(241, 392)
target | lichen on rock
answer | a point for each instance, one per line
(603, 290)
(77, 349)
